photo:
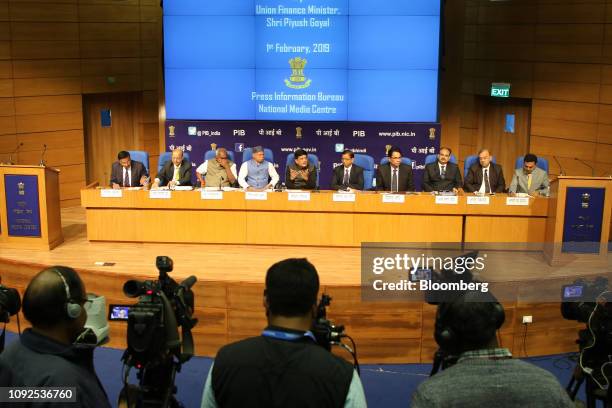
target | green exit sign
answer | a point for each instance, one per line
(500, 90)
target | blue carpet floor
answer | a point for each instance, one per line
(387, 386)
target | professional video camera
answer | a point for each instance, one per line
(328, 334)
(10, 304)
(154, 345)
(591, 303)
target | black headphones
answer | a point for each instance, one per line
(73, 309)
(446, 334)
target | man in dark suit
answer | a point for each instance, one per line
(127, 172)
(176, 172)
(348, 175)
(394, 176)
(485, 176)
(442, 175)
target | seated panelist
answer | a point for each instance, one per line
(127, 172)
(301, 174)
(442, 175)
(176, 172)
(348, 175)
(394, 176)
(219, 171)
(257, 174)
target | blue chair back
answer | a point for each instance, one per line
(212, 153)
(405, 161)
(367, 163)
(140, 156)
(470, 161)
(312, 158)
(431, 158)
(166, 157)
(247, 154)
(542, 163)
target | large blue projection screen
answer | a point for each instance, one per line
(319, 60)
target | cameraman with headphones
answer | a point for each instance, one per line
(49, 354)
(285, 366)
(484, 375)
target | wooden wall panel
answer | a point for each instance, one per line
(54, 51)
(564, 49)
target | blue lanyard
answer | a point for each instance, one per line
(282, 335)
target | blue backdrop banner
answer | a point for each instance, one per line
(326, 140)
(22, 205)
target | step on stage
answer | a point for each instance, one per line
(228, 294)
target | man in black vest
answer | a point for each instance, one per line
(284, 367)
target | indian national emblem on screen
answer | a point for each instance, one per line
(213, 147)
(387, 148)
(171, 130)
(432, 133)
(298, 132)
(21, 188)
(297, 80)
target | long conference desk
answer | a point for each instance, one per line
(321, 218)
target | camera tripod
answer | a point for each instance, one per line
(592, 390)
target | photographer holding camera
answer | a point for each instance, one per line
(485, 375)
(284, 366)
(48, 354)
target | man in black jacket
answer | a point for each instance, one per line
(485, 177)
(442, 175)
(47, 354)
(176, 172)
(348, 175)
(284, 367)
(127, 172)
(301, 174)
(394, 176)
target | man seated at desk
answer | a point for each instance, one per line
(127, 172)
(485, 177)
(530, 179)
(217, 172)
(442, 175)
(176, 172)
(257, 174)
(301, 174)
(348, 175)
(394, 176)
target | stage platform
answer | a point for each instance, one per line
(230, 288)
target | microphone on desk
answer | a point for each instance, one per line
(560, 167)
(42, 156)
(586, 164)
(13, 152)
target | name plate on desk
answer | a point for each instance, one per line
(211, 195)
(299, 196)
(394, 198)
(478, 200)
(344, 197)
(256, 195)
(447, 199)
(111, 193)
(160, 194)
(517, 201)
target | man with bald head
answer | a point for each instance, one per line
(217, 172)
(47, 354)
(485, 177)
(176, 172)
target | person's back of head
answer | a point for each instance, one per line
(468, 322)
(53, 303)
(292, 286)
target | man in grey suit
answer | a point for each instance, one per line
(530, 179)
(127, 172)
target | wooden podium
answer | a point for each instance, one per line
(578, 224)
(30, 210)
